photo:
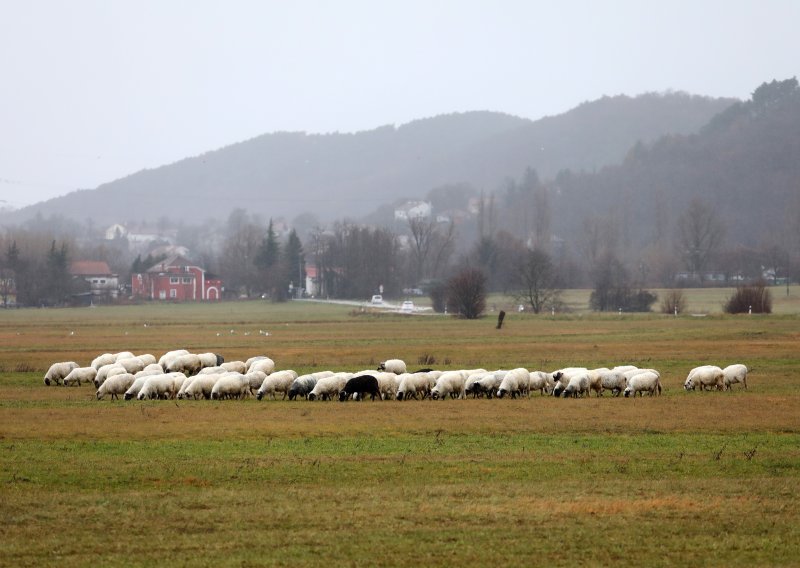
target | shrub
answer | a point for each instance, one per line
(674, 302)
(755, 297)
(466, 293)
(438, 295)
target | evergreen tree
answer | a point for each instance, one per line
(295, 261)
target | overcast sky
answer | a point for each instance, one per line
(92, 91)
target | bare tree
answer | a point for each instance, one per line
(429, 246)
(535, 279)
(466, 293)
(700, 235)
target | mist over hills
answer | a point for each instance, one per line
(350, 175)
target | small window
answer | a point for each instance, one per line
(162, 294)
(102, 281)
(174, 280)
(173, 293)
(187, 279)
(95, 281)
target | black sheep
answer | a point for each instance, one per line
(361, 385)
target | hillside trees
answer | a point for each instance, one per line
(700, 236)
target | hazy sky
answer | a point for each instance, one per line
(92, 91)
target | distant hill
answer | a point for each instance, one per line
(350, 175)
(745, 163)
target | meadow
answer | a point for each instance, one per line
(686, 478)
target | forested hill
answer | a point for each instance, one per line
(349, 175)
(744, 165)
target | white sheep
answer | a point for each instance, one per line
(115, 386)
(396, 366)
(235, 367)
(210, 359)
(328, 388)
(515, 382)
(705, 376)
(733, 374)
(135, 388)
(151, 368)
(161, 386)
(302, 385)
(147, 359)
(167, 357)
(231, 385)
(123, 355)
(596, 380)
(265, 365)
(104, 359)
(280, 381)
(201, 385)
(252, 360)
(450, 383)
(541, 381)
(561, 378)
(131, 364)
(578, 385)
(413, 384)
(613, 380)
(646, 381)
(75, 376)
(57, 372)
(187, 364)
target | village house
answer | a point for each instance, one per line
(178, 280)
(103, 284)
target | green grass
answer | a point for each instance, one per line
(707, 479)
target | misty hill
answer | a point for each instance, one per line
(349, 175)
(745, 164)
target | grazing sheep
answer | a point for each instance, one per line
(148, 359)
(646, 381)
(252, 360)
(450, 383)
(265, 365)
(578, 385)
(161, 386)
(123, 355)
(255, 379)
(235, 367)
(596, 380)
(301, 386)
(733, 374)
(413, 384)
(515, 382)
(131, 364)
(75, 376)
(57, 372)
(167, 357)
(280, 381)
(613, 380)
(706, 376)
(562, 376)
(104, 359)
(211, 359)
(115, 386)
(329, 387)
(187, 364)
(541, 381)
(396, 366)
(201, 386)
(359, 386)
(231, 385)
(135, 388)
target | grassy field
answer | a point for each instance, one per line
(685, 478)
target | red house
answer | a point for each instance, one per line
(176, 279)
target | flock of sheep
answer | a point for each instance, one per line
(184, 375)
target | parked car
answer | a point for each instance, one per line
(377, 299)
(407, 307)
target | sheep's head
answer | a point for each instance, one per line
(342, 396)
(399, 395)
(689, 384)
(501, 393)
(435, 394)
(558, 388)
(312, 396)
(628, 391)
(260, 395)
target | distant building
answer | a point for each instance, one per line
(413, 210)
(116, 231)
(103, 284)
(178, 280)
